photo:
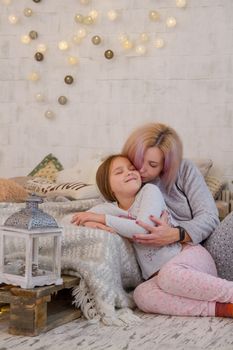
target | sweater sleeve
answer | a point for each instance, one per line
(200, 200)
(149, 201)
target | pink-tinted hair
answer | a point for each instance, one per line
(163, 137)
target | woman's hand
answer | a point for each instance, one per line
(81, 218)
(159, 235)
(98, 225)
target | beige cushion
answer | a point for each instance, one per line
(215, 185)
(10, 191)
(82, 171)
(72, 190)
(203, 165)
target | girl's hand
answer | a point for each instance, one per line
(93, 224)
(84, 216)
(159, 235)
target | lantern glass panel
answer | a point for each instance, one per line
(14, 255)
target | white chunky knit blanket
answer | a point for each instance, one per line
(105, 263)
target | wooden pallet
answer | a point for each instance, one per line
(37, 310)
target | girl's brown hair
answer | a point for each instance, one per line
(102, 177)
(163, 137)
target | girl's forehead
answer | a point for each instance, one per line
(120, 161)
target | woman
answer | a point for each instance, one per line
(181, 278)
(156, 150)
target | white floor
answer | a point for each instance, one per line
(154, 332)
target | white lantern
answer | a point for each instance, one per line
(30, 248)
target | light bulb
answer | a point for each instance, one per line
(144, 37)
(181, 3)
(96, 39)
(76, 39)
(159, 43)
(94, 14)
(140, 49)
(25, 39)
(39, 97)
(112, 15)
(78, 18)
(88, 20)
(27, 12)
(127, 44)
(123, 37)
(49, 114)
(154, 15)
(72, 60)
(171, 22)
(81, 33)
(6, 2)
(34, 76)
(63, 45)
(13, 19)
(84, 2)
(41, 48)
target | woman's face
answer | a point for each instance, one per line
(153, 163)
(124, 179)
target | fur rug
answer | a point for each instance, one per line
(105, 263)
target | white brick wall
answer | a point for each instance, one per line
(188, 84)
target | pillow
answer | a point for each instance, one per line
(47, 168)
(10, 191)
(215, 185)
(203, 165)
(72, 190)
(83, 172)
(22, 180)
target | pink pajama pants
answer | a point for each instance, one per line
(187, 285)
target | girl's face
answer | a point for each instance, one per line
(124, 179)
(153, 163)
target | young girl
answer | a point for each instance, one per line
(182, 278)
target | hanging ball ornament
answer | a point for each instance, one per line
(34, 76)
(41, 48)
(112, 15)
(171, 22)
(33, 34)
(68, 79)
(127, 44)
(88, 20)
(49, 114)
(39, 56)
(109, 54)
(181, 3)
(13, 19)
(159, 43)
(39, 97)
(6, 2)
(25, 39)
(72, 60)
(27, 12)
(96, 39)
(78, 18)
(84, 2)
(140, 49)
(154, 15)
(62, 100)
(36, 1)
(144, 37)
(94, 14)
(63, 45)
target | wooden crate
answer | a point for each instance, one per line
(40, 309)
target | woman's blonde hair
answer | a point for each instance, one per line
(163, 137)
(102, 177)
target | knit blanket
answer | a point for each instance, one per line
(105, 263)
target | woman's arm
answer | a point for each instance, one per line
(149, 200)
(200, 215)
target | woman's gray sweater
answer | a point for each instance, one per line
(190, 202)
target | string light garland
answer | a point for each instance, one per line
(137, 43)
